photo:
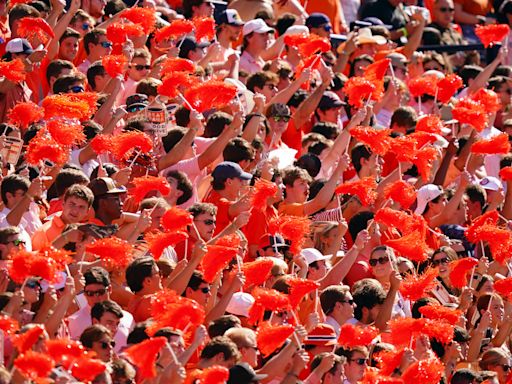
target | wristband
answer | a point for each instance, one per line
(404, 31)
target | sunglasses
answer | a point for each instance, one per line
(205, 290)
(106, 44)
(140, 67)
(86, 26)
(446, 9)
(106, 344)
(208, 221)
(327, 28)
(77, 89)
(443, 261)
(17, 242)
(360, 361)
(380, 260)
(98, 293)
(350, 302)
(271, 86)
(135, 108)
(406, 273)
(32, 284)
(505, 367)
(284, 119)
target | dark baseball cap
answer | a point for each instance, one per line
(105, 186)
(230, 170)
(136, 102)
(330, 100)
(189, 44)
(317, 19)
(230, 17)
(267, 240)
(242, 373)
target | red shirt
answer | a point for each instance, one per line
(223, 219)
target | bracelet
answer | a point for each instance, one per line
(259, 115)
(404, 31)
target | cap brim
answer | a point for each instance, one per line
(245, 176)
(264, 30)
(379, 40)
(260, 376)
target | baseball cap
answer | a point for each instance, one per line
(317, 19)
(105, 186)
(267, 240)
(322, 334)
(19, 45)
(398, 60)
(312, 255)
(242, 373)
(240, 304)
(426, 194)
(230, 17)
(364, 36)
(136, 102)
(230, 170)
(256, 26)
(491, 183)
(377, 21)
(189, 44)
(330, 100)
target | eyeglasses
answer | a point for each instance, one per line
(505, 367)
(135, 108)
(443, 261)
(106, 44)
(360, 361)
(106, 344)
(140, 67)
(77, 89)
(327, 27)
(350, 302)
(17, 242)
(86, 26)
(284, 119)
(446, 9)
(205, 290)
(380, 260)
(207, 221)
(32, 284)
(98, 293)
(271, 86)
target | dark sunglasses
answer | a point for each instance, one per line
(99, 292)
(32, 284)
(205, 290)
(17, 242)
(443, 261)
(351, 302)
(77, 89)
(140, 67)
(505, 367)
(106, 344)
(406, 273)
(135, 108)
(446, 9)
(380, 260)
(285, 119)
(327, 27)
(208, 221)
(360, 361)
(86, 26)
(106, 44)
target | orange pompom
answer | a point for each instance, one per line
(43, 147)
(102, 144)
(401, 192)
(177, 64)
(8, 325)
(24, 114)
(263, 190)
(296, 40)
(174, 82)
(214, 375)
(424, 161)
(211, 94)
(19, 266)
(159, 241)
(64, 351)
(266, 299)
(144, 355)
(489, 99)
(44, 267)
(506, 173)
(272, 337)
(424, 138)
(144, 17)
(160, 302)
(86, 369)
(66, 132)
(439, 330)
(494, 145)
(115, 65)
(504, 287)
(378, 140)
(112, 250)
(34, 365)
(499, 240)
(175, 312)
(204, 28)
(36, 29)
(428, 371)
(491, 34)
(67, 106)
(430, 124)
(459, 269)
(374, 376)
(377, 70)
(447, 87)
(24, 341)
(177, 29)
(13, 70)
(314, 44)
(488, 218)
(411, 246)
(404, 148)
(393, 218)
(359, 89)
(119, 33)
(216, 259)
(124, 144)
(61, 257)
(468, 111)
(146, 184)
(176, 219)
(388, 361)
(257, 272)
(300, 288)
(353, 335)
(364, 189)
(439, 312)
(295, 229)
(403, 329)
(415, 287)
(424, 85)
(230, 241)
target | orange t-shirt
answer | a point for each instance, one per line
(222, 204)
(331, 8)
(292, 209)
(140, 308)
(258, 224)
(475, 7)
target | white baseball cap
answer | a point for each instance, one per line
(312, 255)
(240, 304)
(426, 194)
(19, 45)
(256, 26)
(491, 183)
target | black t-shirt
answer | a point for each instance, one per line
(384, 11)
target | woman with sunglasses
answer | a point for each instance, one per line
(496, 360)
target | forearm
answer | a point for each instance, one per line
(180, 282)
(481, 80)
(176, 154)
(53, 323)
(219, 308)
(441, 173)
(502, 335)
(251, 129)
(16, 214)
(414, 41)
(463, 17)
(475, 343)
(286, 94)
(340, 269)
(275, 367)
(386, 311)
(215, 149)
(507, 205)
(274, 50)
(308, 106)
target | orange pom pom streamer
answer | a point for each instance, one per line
(402, 192)
(427, 371)
(411, 246)
(24, 114)
(144, 17)
(388, 361)
(204, 27)
(377, 140)
(66, 132)
(13, 70)
(214, 375)
(364, 189)
(263, 190)
(296, 40)
(42, 147)
(159, 241)
(257, 272)
(488, 218)
(489, 99)
(272, 337)
(359, 89)
(468, 111)
(24, 341)
(459, 269)
(506, 173)
(8, 325)
(430, 124)
(176, 219)
(266, 299)
(439, 312)
(64, 351)
(119, 33)
(144, 355)
(353, 335)
(34, 365)
(177, 64)
(377, 70)
(504, 287)
(102, 144)
(404, 148)
(415, 287)
(86, 369)
(36, 29)
(491, 34)
(403, 329)
(424, 161)
(424, 85)
(216, 259)
(124, 144)
(175, 30)
(67, 106)
(295, 229)
(174, 81)
(211, 94)
(314, 44)
(146, 184)
(299, 288)
(112, 250)
(114, 64)
(494, 145)
(447, 87)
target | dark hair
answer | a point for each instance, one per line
(220, 344)
(359, 222)
(138, 333)
(63, 84)
(11, 184)
(69, 32)
(422, 302)
(219, 326)
(496, 82)
(469, 72)
(137, 271)
(55, 68)
(196, 280)
(328, 130)
(359, 152)
(312, 164)
(338, 360)
(19, 11)
(285, 21)
(113, 6)
(238, 150)
(332, 295)
(291, 174)
(100, 308)
(183, 184)
(91, 129)
(7, 232)
(93, 37)
(464, 376)
(297, 98)
(404, 117)
(182, 116)
(97, 275)
(172, 138)
(367, 293)
(109, 168)
(92, 334)
(96, 69)
(476, 194)
(216, 124)
(67, 177)
(259, 79)
(80, 192)
(199, 208)
(357, 60)
(148, 87)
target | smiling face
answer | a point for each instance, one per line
(74, 210)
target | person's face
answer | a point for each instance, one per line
(330, 237)
(156, 216)
(94, 293)
(82, 26)
(63, 72)
(177, 344)
(196, 54)
(233, 32)
(13, 242)
(202, 294)
(366, 49)
(250, 353)
(316, 273)
(259, 42)
(360, 67)
(502, 369)
(139, 68)
(432, 65)
(505, 94)
(235, 184)
(300, 190)
(401, 73)
(380, 264)
(405, 269)
(104, 348)
(153, 283)
(68, 49)
(110, 321)
(14, 198)
(269, 90)
(487, 287)
(74, 210)
(497, 310)
(205, 224)
(278, 124)
(443, 12)
(101, 81)
(355, 367)
(336, 377)
(102, 48)
(442, 261)
(374, 164)
(438, 205)
(330, 115)
(323, 30)
(346, 307)
(204, 10)
(31, 291)
(96, 9)
(111, 204)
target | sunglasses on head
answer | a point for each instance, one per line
(106, 344)
(99, 292)
(106, 44)
(446, 9)
(380, 260)
(360, 361)
(140, 67)
(443, 261)
(285, 119)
